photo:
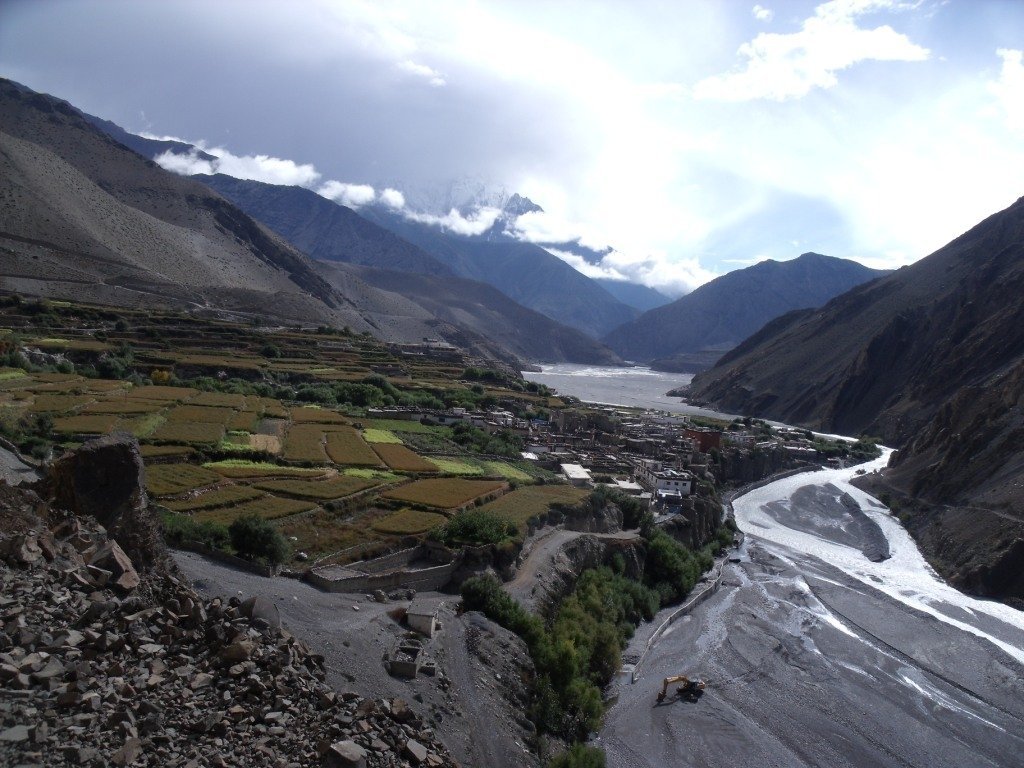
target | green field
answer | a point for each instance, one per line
(242, 468)
(398, 425)
(453, 466)
(267, 507)
(381, 436)
(218, 497)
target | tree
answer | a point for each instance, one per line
(257, 539)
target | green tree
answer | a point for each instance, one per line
(257, 539)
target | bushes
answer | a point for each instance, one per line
(579, 756)
(475, 526)
(256, 539)
(672, 569)
(182, 529)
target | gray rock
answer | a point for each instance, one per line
(346, 754)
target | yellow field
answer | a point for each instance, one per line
(408, 522)
(521, 504)
(169, 479)
(318, 490)
(305, 442)
(345, 446)
(188, 432)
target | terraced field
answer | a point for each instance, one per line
(444, 493)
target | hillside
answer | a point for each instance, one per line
(323, 229)
(85, 217)
(524, 272)
(486, 311)
(692, 332)
(634, 295)
(930, 358)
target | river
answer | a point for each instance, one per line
(815, 655)
(634, 386)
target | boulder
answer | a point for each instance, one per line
(260, 608)
(346, 754)
(110, 557)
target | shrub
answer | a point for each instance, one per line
(579, 756)
(475, 526)
(181, 529)
(256, 539)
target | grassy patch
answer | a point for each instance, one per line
(242, 468)
(7, 374)
(305, 442)
(144, 426)
(454, 466)
(58, 403)
(267, 507)
(501, 469)
(444, 492)
(120, 405)
(318, 490)
(402, 459)
(372, 474)
(169, 394)
(169, 479)
(244, 421)
(408, 522)
(219, 399)
(219, 497)
(520, 505)
(345, 446)
(381, 436)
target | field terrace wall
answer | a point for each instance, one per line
(389, 572)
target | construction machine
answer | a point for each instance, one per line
(691, 690)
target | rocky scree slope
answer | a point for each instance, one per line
(930, 358)
(695, 330)
(110, 660)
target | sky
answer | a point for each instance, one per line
(693, 137)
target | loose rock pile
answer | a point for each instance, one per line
(103, 665)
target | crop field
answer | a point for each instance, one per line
(408, 522)
(317, 416)
(381, 436)
(398, 425)
(402, 459)
(444, 492)
(320, 533)
(453, 466)
(143, 425)
(317, 490)
(267, 507)
(93, 424)
(163, 451)
(305, 442)
(215, 361)
(372, 474)
(48, 403)
(188, 432)
(170, 479)
(243, 469)
(243, 420)
(121, 405)
(218, 497)
(170, 394)
(200, 414)
(509, 472)
(521, 504)
(222, 399)
(345, 446)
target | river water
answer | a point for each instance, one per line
(634, 387)
(817, 656)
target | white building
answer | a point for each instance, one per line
(664, 483)
(576, 474)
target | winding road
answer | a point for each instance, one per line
(816, 655)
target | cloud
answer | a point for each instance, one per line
(1009, 88)
(270, 170)
(476, 223)
(673, 277)
(352, 195)
(762, 14)
(432, 76)
(392, 198)
(786, 66)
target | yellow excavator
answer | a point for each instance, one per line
(691, 690)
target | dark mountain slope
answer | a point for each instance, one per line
(84, 214)
(932, 359)
(481, 309)
(523, 272)
(324, 229)
(697, 328)
(633, 294)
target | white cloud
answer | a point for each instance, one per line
(1009, 88)
(432, 76)
(762, 14)
(785, 66)
(270, 170)
(352, 195)
(392, 198)
(673, 277)
(476, 223)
